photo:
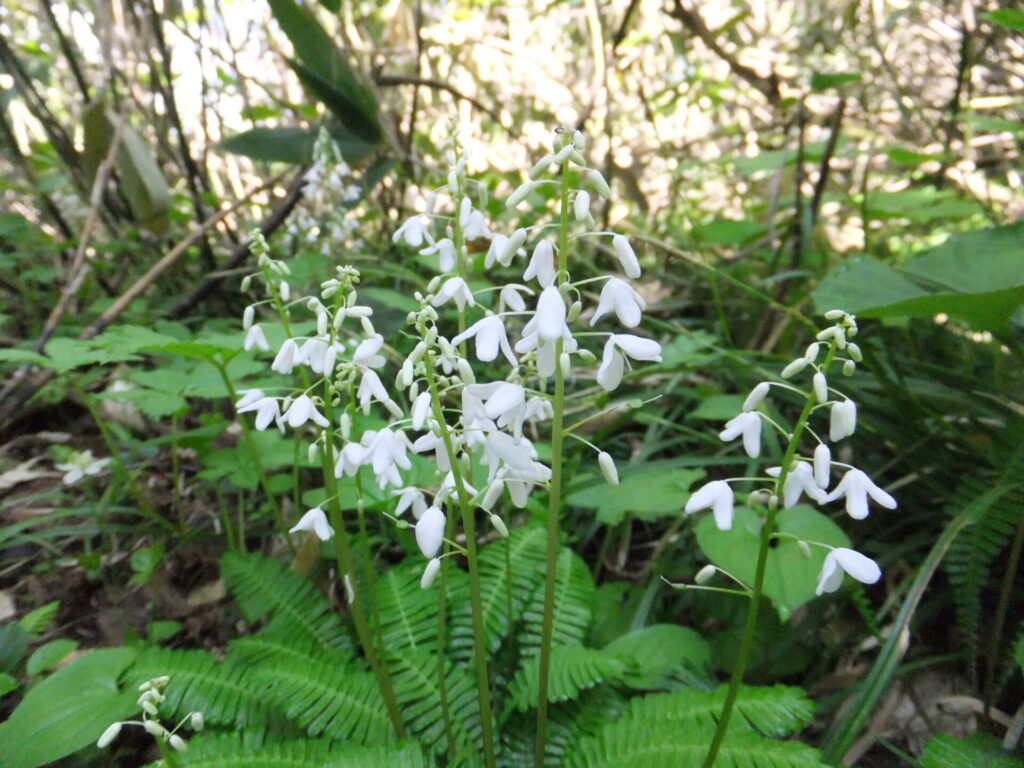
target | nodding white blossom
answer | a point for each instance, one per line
(496, 251)
(843, 421)
(255, 337)
(285, 359)
(608, 468)
(420, 410)
(413, 231)
(842, 560)
(319, 353)
(822, 465)
(302, 410)
(551, 314)
(267, 408)
(410, 498)
(616, 349)
(455, 289)
(716, 496)
(756, 396)
(367, 352)
(627, 258)
(581, 206)
(445, 250)
(856, 487)
(490, 336)
(542, 331)
(430, 572)
(472, 221)
(510, 297)
(620, 297)
(799, 480)
(430, 531)
(542, 264)
(109, 735)
(386, 452)
(747, 424)
(316, 521)
(372, 388)
(80, 465)
(350, 458)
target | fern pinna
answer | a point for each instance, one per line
(296, 693)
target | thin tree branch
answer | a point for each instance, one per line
(389, 80)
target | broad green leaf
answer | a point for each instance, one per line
(977, 276)
(342, 102)
(979, 750)
(1011, 18)
(821, 81)
(718, 407)
(292, 145)
(790, 578)
(661, 651)
(732, 231)
(648, 495)
(921, 205)
(24, 356)
(7, 684)
(68, 710)
(48, 654)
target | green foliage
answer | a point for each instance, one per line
(976, 751)
(574, 600)
(210, 751)
(574, 668)
(660, 654)
(68, 710)
(647, 495)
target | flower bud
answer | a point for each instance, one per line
(756, 396)
(346, 425)
(492, 494)
(804, 547)
(312, 453)
(587, 356)
(565, 363)
(563, 154)
(246, 283)
(401, 524)
(453, 183)
(820, 387)
(247, 317)
(149, 707)
(822, 465)
(705, 574)
(284, 291)
(854, 352)
(330, 358)
(577, 159)
(367, 326)
(540, 166)
(321, 323)
(812, 351)
(499, 526)
(849, 368)
(574, 312)
(178, 743)
(521, 193)
(608, 469)
(109, 735)
(597, 182)
(834, 314)
(155, 729)
(430, 573)
(794, 367)
(466, 371)
(773, 502)
(581, 206)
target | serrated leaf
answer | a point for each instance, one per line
(660, 651)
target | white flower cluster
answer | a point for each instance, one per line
(807, 476)
(450, 414)
(150, 699)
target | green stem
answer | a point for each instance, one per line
(469, 527)
(554, 494)
(442, 620)
(767, 531)
(347, 575)
(254, 454)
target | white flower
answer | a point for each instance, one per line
(319, 354)
(431, 442)
(267, 408)
(747, 424)
(445, 250)
(504, 403)
(856, 486)
(430, 531)
(620, 297)
(420, 410)
(624, 253)
(756, 396)
(799, 479)
(456, 289)
(315, 520)
(542, 264)
(350, 459)
(301, 411)
(841, 560)
(822, 465)
(490, 337)
(496, 250)
(366, 352)
(285, 359)
(410, 497)
(618, 346)
(716, 496)
(509, 297)
(550, 314)
(412, 231)
(473, 224)
(372, 388)
(386, 450)
(581, 206)
(843, 421)
(80, 465)
(255, 337)
(430, 573)
(500, 447)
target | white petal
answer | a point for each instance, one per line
(315, 520)
(637, 347)
(756, 396)
(822, 465)
(831, 576)
(860, 567)
(624, 253)
(430, 573)
(609, 373)
(430, 531)
(722, 510)
(550, 314)
(608, 469)
(706, 496)
(420, 410)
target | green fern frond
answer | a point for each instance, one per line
(574, 606)
(775, 711)
(266, 588)
(417, 687)
(340, 701)
(209, 751)
(573, 669)
(979, 750)
(670, 744)
(221, 690)
(502, 599)
(408, 614)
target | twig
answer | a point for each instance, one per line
(826, 160)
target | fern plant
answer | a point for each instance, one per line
(294, 692)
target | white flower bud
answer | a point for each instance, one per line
(430, 573)
(109, 735)
(367, 326)
(246, 283)
(812, 352)
(453, 183)
(598, 183)
(565, 364)
(247, 317)
(563, 154)
(579, 141)
(321, 323)
(284, 291)
(540, 166)
(499, 526)
(587, 356)
(430, 531)
(155, 729)
(834, 314)
(756, 396)
(178, 743)
(149, 707)
(346, 425)
(312, 453)
(492, 494)
(794, 367)
(577, 159)
(521, 193)
(804, 547)
(822, 465)
(849, 368)
(608, 469)
(820, 387)
(581, 205)
(854, 352)
(705, 574)
(466, 371)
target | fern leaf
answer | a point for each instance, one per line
(209, 751)
(977, 751)
(417, 687)
(408, 614)
(573, 669)
(574, 606)
(266, 588)
(502, 597)
(667, 744)
(325, 698)
(221, 690)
